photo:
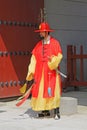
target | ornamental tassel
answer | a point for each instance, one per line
(49, 92)
(49, 88)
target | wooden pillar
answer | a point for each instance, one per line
(70, 62)
(81, 64)
(74, 65)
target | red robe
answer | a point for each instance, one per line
(42, 54)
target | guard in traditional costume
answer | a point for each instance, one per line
(43, 68)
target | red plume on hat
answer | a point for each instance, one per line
(44, 27)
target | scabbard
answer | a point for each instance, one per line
(24, 97)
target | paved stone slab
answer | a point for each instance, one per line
(68, 105)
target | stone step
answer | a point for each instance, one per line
(68, 105)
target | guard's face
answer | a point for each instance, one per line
(43, 34)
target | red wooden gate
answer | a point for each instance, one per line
(73, 66)
(18, 19)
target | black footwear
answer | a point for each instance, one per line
(56, 114)
(46, 113)
(40, 115)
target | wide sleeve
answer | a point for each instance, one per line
(55, 61)
(31, 68)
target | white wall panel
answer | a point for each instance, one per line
(69, 19)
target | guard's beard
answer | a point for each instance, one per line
(41, 37)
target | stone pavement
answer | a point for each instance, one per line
(23, 118)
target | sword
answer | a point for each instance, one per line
(58, 71)
(62, 74)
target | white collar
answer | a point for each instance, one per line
(47, 40)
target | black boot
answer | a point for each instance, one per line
(40, 115)
(44, 113)
(56, 113)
